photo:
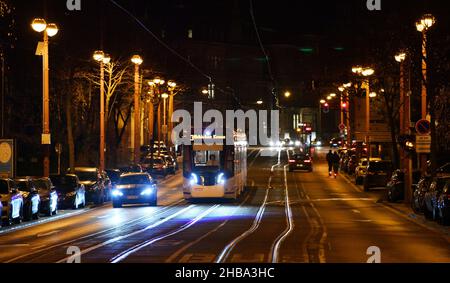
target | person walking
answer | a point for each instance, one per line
(336, 159)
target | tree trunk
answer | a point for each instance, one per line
(393, 130)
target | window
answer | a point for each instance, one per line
(190, 33)
(207, 158)
(135, 179)
(4, 187)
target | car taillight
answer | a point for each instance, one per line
(307, 161)
(291, 161)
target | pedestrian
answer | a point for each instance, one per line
(330, 162)
(336, 159)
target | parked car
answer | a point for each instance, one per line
(351, 164)
(300, 162)
(31, 198)
(135, 188)
(48, 196)
(12, 202)
(361, 170)
(93, 183)
(396, 186)
(378, 174)
(172, 164)
(71, 192)
(418, 201)
(432, 196)
(443, 204)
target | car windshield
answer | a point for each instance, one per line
(3, 187)
(23, 186)
(134, 179)
(378, 166)
(86, 176)
(41, 184)
(64, 183)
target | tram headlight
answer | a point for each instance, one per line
(221, 179)
(117, 193)
(194, 179)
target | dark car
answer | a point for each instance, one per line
(93, 183)
(155, 166)
(300, 162)
(378, 174)
(12, 202)
(396, 186)
(171, 164)
(31, 198)
(432, 196)
(422, 187)
(443, 204)
(48, 195)
(135, 188)
(71, 193)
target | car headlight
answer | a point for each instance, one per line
(117, 193)
(319, 143)
(221, 179)
(194, 179)
(148, 191)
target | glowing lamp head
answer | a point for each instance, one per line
(341, 88)
(106, 59)
(259, 102)
(373, 95)
(329, 97)
(164, 95)
(172, 84)
(322, 101)
(368, 72)
(52, 30)
(137, 60)
(287, 94)
(428, 21)
(357, 70)
(39, 25)
(333, 94)
(156, 81)
(205, 91)
(400, 57)
(98, 56)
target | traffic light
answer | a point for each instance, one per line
(344, 106)
(326, 108)
(308, 130)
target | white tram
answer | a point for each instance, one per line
(214, 169)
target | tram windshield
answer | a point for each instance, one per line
(203, 159)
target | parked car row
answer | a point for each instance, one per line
(26, 198)
(431, 196)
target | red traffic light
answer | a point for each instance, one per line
(344, 105)
(326, 105)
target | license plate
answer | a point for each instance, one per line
(132, 197)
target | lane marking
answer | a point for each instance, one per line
(123, 255)
(48, 233)
(14, 245)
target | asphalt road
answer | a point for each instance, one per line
(294, 217)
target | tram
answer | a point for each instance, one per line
(213, 169)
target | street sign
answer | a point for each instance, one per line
(7, 158)
(423, 144)
(342, 127)
(423, 127)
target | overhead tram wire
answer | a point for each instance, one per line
(161, 42)
(269, 68)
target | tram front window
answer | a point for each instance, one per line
(207, 159)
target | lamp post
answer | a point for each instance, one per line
(423, 25)
(405, 120)
(366, 72)
(48, 30)
(137, 61)
(102, 59)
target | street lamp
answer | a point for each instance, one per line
(49, 30)
(322, 101)
(171, 86)
(260, 102)
(103, 59)
(287, 94)
(333, 95)
(137, 61)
